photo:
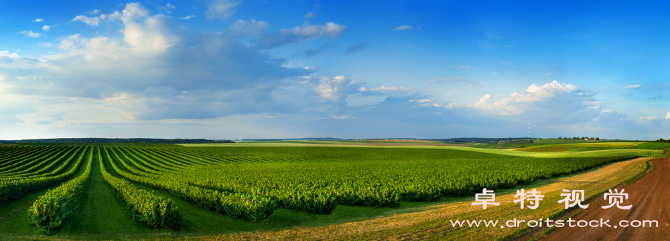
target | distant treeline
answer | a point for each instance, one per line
(579, 138)
(298, 139)
(489, 140)
(663, 140)
(115, 140)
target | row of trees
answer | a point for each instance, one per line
(579, 138)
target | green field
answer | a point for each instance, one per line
(582, 147)
(151, 191)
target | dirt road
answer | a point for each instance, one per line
(650, 197)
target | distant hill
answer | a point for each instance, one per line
(485, 140)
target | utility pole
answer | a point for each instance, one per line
(528, 129)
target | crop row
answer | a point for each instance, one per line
(44, 166)
(239, 205)
(57, 206)
(373, 178)
(36, 160)
(310, 186)
(14, 188)
(144, 207)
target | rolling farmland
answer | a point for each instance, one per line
(145, 191)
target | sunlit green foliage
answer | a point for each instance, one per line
(58, 205)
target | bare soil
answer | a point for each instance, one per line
(650, 197)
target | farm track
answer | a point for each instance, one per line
(649, 196)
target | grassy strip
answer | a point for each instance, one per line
(58, 205)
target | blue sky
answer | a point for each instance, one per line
(351, 69)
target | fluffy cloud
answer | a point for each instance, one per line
(516, 102)
(187, 17)
(387, 88)
(162, 73)
(309, 15)
(39, 20)
(335, 89)
(30, 34)
(667, 116)
(299, 34)
(251, 27)
(632, 86)
(96, 20)
(16, 65)
(46, 27)
(221, 9)
(404, 27)
(92, 21)
(648, 118)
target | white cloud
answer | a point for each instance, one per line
(388, 88)
(92, 21)
(453, 105)
(404, 27)
(221, 9)
(309, 15)
(548, 74)
(251, 27)
(155, 63)
(8, 55)
(46, 27)
(187, 17)
(69, 42)
(646, 120)
(534, 93)
(95, 11)
(30, 34)
(170, 6)
(299, 34)
(335, 89)
(39, 20)
(667, 116)
(111, 17)
(134, 12)
(632, 86)
(426, 102)
(483, 100)
(606, 111)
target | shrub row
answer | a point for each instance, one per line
(145, 207)
(58, 205)
(244, 206)
(14, 188)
